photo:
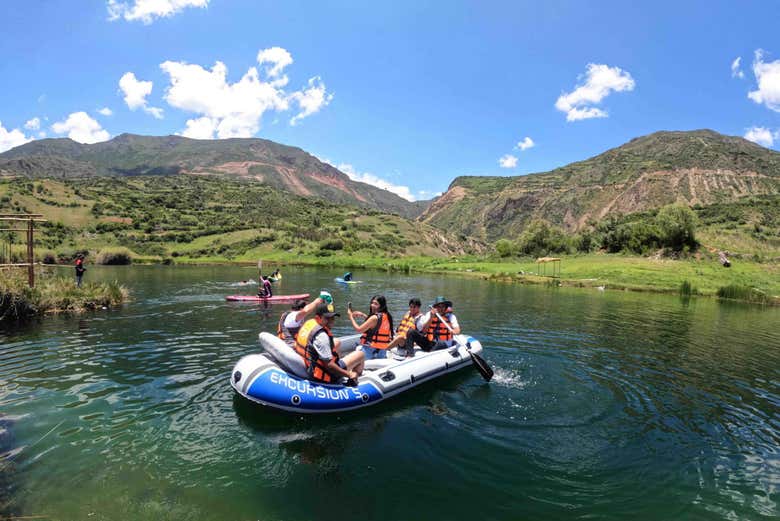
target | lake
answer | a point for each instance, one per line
(605, 405)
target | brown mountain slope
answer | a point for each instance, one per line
(701, 167)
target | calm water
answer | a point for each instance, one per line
(604, 406)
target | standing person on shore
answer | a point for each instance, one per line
(377, 328)
(291, 321)
(432, 332)
(80, 269)
(316, 345)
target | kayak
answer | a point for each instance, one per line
(276, 378)
(275, 298)
(339, 279)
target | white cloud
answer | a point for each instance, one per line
(762, 136)
(82, 128)
(768, 78)
(507, 161)
(105, 111)
(226, 110)
(11, 138)
(600, 81)
(526, 143)
(736, 71)
(310, 100)
(33, 124)
(147, 10)
(41, 134)
(135, 92)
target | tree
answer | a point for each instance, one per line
(677, 226)
(504, 247)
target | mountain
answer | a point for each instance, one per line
(695, 167)
(279, 166)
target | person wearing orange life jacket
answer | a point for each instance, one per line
(408, 323)
(317, 347)
(377, 328)
(431, 333)
(291, 321)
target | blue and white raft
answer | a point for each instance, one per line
(277, 377)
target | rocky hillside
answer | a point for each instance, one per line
(279, 166)
(696, 167)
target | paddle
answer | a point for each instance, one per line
(482, 366)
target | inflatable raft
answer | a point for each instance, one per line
(277, 377)
(275, 298)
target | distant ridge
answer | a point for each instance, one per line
(687, 167)
(260, 160)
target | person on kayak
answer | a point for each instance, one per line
(347, 276)
(265, 288)
(316, 345)
(408, 323)
(432, 332)
(377, 328)
(291, 321)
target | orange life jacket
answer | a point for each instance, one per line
(407, 323)
(287, 334)
(304, 346)
(380, 336)
(437, 330)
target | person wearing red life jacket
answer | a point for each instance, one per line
(317, 347)
(432, 332)
(377, 328)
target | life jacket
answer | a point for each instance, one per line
(407, 323)
(437, 330)
(304, 346)
(287, 334)
(380, 336)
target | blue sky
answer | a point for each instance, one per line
(405, 95)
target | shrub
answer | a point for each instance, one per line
(332, 244)
(504, 248)
(114, 257)
(677, 226)
(748, 294)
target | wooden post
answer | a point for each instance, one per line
(30, 255)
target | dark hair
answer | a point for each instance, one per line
(415, 302)
(299, 305)
(382, 301)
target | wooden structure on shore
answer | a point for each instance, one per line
(541, 266)
(16, 223)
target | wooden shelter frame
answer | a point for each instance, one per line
(541, 266)
(22, 222)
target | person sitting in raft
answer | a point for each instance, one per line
(291, 320)
(347, 276)
(432, 332)
(377, 328)
(265, 288)
(408, 323)
(316, 345)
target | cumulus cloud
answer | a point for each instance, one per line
(600, 81)
(371, 179)
(11, 138)
(105, 111)
(226, 110)
(768, 79)
(761, 135)
(33, 124)
(148, 10)
(82, 128)
(507, 161)
(736, 71)
(310, 100)
(135, 92)
(526, 143)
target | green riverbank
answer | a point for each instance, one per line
(53, 294)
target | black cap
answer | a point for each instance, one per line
(441, 300)
(326, 310)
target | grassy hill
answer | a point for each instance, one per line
(691, 168)
(194, 218)
(258, 160)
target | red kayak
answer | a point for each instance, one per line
(275, 298)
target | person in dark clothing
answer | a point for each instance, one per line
(435, 329)
(80, 269)
(265, 288)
